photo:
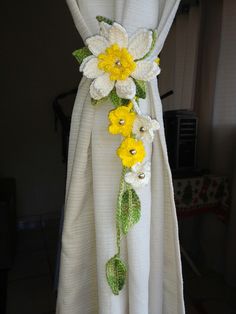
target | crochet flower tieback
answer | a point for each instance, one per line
(119, 66)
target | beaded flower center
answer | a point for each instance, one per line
(122, 120)
(131, 151)
(116, 61)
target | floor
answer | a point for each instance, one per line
(208, 293)
(31, 280)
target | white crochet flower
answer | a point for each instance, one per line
(139, 175)
(144, 128)
(115, 61)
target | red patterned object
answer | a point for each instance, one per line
(202, 194)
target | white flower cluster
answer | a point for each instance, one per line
(137, 46)
(143, 129)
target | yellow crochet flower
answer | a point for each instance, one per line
(131, 151)
(116, 61)
(121, 120)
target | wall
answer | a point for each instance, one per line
(223, 152)
(209, 47)
(37, 38)
(179, 60)
(215, 106)
(224, 113)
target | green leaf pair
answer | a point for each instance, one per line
(128, 213)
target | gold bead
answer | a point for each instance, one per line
(122, 122)
(132, 151)
(141, 175)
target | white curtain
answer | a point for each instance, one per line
(151, 249)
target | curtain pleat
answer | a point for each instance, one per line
(151, 249)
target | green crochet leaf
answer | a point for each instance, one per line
(125, 101)
(95, 102)
(140, 88)
(154, 40)
(116, 100)
(130, 210)
(81, 54)
(116, 273)
(104, 19)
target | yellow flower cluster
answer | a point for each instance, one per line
(116, 61)
(121, 120)
(131, 151)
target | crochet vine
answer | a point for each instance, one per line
(119, 68)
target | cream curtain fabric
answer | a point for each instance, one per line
(151, 249)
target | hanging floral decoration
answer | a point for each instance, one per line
(119, 67)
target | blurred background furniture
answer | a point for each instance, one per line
(195, 196)
(207, 193)
(181, 139)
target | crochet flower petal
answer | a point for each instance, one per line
(126, 89)
(139, 175)
(130, 178)
(81, 68)
(97, 44)
(104, 29)
(136, 167)
(101, 87)
(146, 166)
(142, 167)
(145, 70)
(149, 136)
(140, 43)
(91, 69)
(118, 35)
(144, 128)
(155, 125)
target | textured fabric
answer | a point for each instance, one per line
(151, 249)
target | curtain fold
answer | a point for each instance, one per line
(151, 249)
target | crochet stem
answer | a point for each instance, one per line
(118, 209)
(136, 107)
